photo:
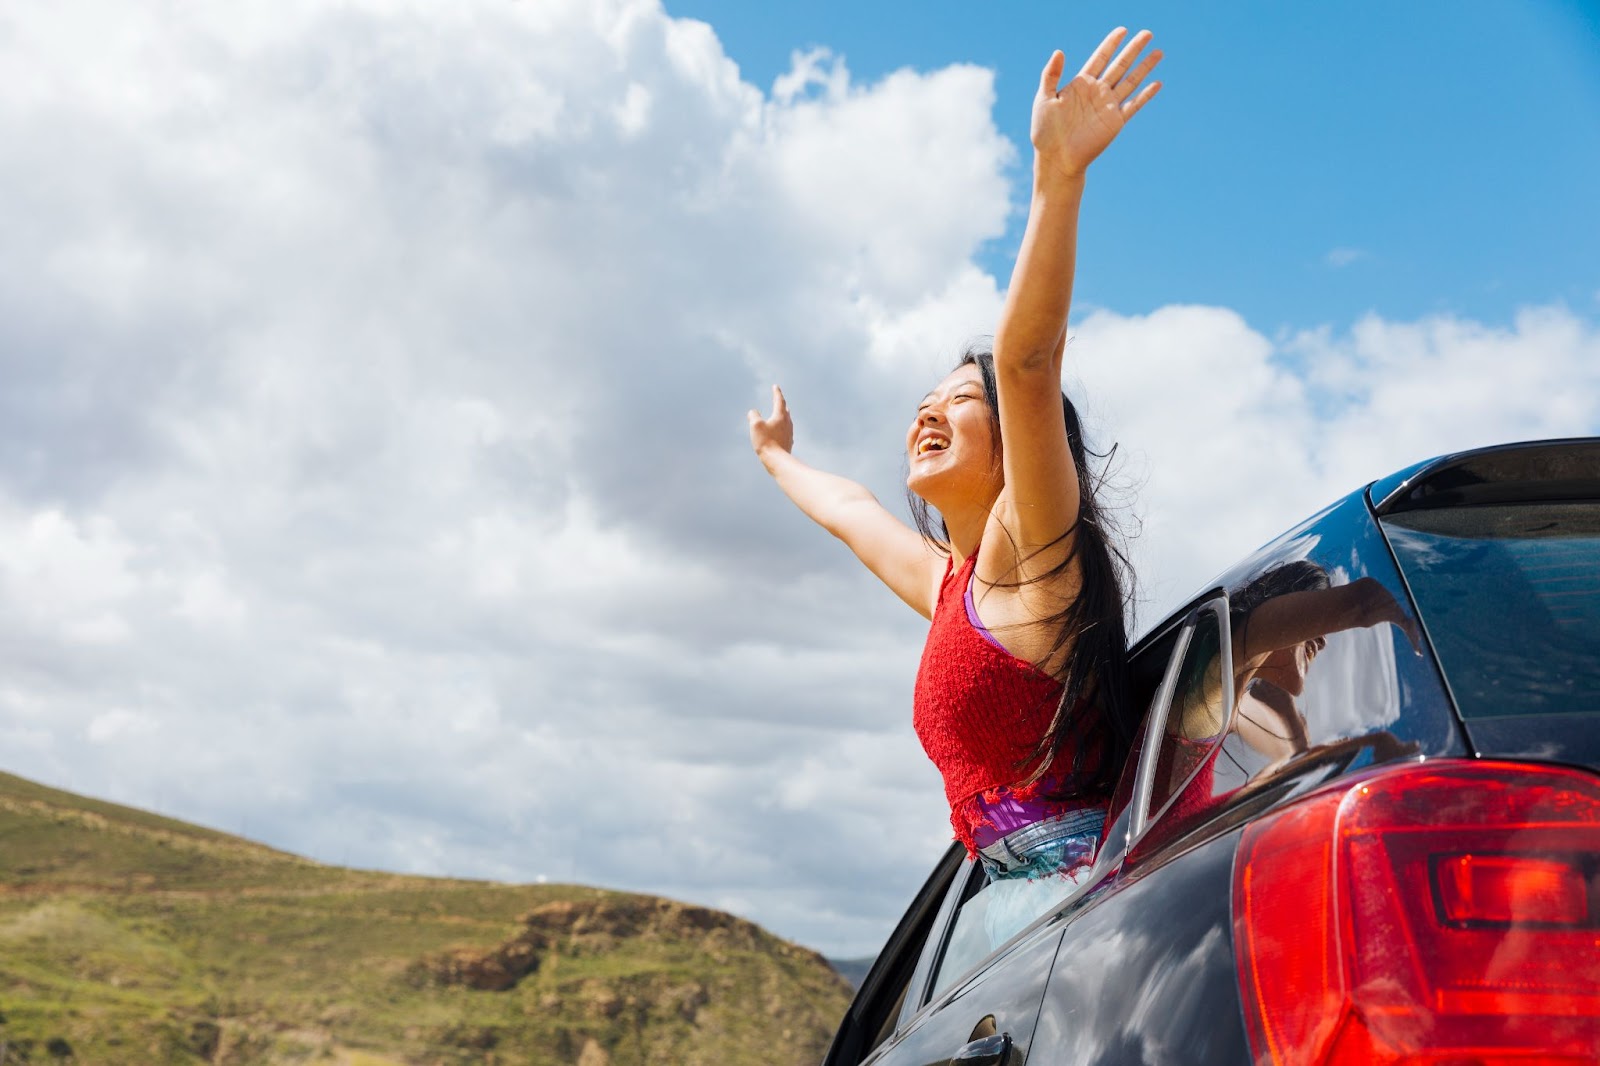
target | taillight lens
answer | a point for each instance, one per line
(1440, 912)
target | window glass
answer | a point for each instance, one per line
(1311, 679)
(1146, 672)
(1319, 651)
(1511, 598)
(1323, 658)
(1197, 718)
(992, 913)
(969, 939)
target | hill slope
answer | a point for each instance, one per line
(126, 937)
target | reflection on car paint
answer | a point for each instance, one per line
(1009, 1006)
(1146, 975)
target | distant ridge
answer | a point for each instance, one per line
(129, 937)
(853, 970)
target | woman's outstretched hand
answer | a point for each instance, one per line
(1075, 122)
(1377, 605)
(774, 431)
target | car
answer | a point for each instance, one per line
(1360, 822)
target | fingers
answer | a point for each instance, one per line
(1126, 86)
(1125, 58)
(1102, 55)
(1413, 634)
(1050, 79)
(779, 409)
(1132, 107)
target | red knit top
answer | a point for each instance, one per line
(981, 712)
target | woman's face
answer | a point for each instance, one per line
(1287, 667)
(951, 445)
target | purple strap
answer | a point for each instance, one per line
(972, 614)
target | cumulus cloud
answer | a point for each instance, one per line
(373, 445)
(1230, 436)
(373, 476)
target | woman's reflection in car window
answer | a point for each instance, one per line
(1279, 624)
(1267, 680)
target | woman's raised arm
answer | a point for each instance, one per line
(1072, 124)
(894, 552)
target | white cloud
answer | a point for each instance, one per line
(1343, 257)
(373, 441)
(1232, 437)
(114, 724)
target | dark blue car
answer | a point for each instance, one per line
(1361, 824)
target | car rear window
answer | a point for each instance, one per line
(1510, 596)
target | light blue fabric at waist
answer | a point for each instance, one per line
(1048, 847)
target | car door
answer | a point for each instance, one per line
(968, 1004)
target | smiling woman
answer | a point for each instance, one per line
(1019, 698)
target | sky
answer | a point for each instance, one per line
(374, 477)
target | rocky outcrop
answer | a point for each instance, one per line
(589, 927)
(181, 945)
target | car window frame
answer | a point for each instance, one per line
(919, 990)
(1142, 819)
(878, 985)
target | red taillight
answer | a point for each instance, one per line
(1441, 912)
(1511, 889)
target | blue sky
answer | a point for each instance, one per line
(373, 439)
(1445, 153)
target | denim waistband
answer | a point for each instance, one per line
(1011, 847)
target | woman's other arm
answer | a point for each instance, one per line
(1296, 617)
(894, 552)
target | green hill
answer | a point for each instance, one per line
(128, 938)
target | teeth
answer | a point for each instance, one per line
(930, 445)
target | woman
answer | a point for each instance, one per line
(1019, 695)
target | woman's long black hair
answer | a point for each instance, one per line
(1094, 676)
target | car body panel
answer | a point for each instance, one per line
(1002, 998)
(1561, 738)
(1145, 975)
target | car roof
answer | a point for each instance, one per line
(1524, 472)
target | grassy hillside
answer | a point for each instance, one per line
(128, 938)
